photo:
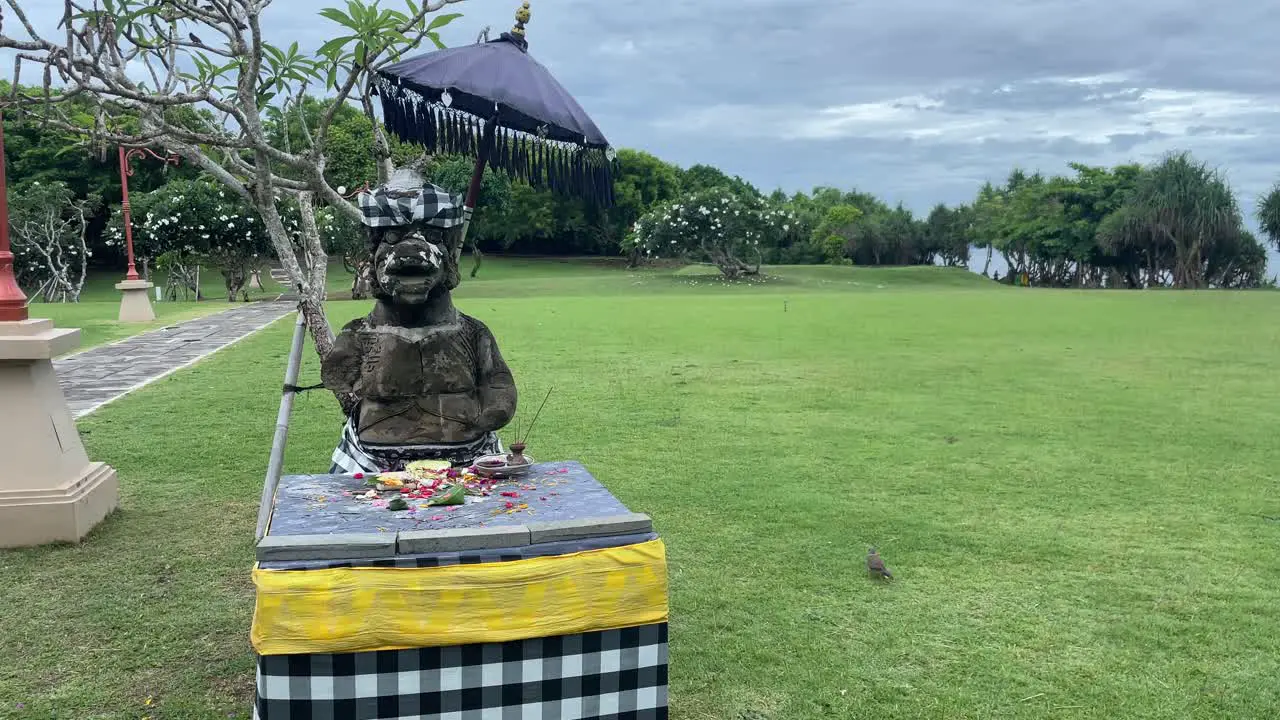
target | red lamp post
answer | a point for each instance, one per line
(13, 304)
(126, 172)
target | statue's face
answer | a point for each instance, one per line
(410, 263)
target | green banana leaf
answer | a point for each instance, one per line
(455, 495)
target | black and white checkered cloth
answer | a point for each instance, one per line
(351, 456)
(392, 206)
(609, 675)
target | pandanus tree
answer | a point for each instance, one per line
(1184, 212)
(1269, 215)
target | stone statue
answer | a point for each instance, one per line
(429, 381)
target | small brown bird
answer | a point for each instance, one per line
(876, 567)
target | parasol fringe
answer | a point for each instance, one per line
(561, 167)
(579, 172)
(562, 171)
(566, 167)
(509, 153)
(443, 117)
(537, 166)
(524, 160)
(432, 130)
(516, 155)
(557, 184)
(553, 177)
(427, 124)
(506, 152)
(499, 157)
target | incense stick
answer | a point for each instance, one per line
(535, 417)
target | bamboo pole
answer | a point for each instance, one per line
(276, 463)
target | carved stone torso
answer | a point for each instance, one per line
(411, 362)
(444, 383)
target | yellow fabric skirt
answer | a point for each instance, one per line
(364, 609)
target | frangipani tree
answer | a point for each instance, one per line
(48, 226)
(717, 225)
(199, 77)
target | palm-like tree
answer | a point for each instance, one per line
(1269, 215)
(1183, 204)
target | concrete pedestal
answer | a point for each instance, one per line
(49, 491)
(135, 305)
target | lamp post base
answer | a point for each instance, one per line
(135, 303)
(49, 490)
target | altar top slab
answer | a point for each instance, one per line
(319, 517)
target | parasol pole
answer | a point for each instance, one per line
(477, 179)
(486, 145)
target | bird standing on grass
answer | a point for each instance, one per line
(875, 566)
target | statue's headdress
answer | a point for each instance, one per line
(408, 198)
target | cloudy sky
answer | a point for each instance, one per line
(915, 100)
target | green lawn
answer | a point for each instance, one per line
(1076, 490)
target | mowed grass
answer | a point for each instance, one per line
(1075, 490)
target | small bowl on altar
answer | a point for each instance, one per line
(499, 466)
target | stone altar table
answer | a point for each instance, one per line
(549, 602)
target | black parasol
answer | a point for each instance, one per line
(493, 101)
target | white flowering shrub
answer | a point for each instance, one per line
(731, 230)
(189, 222)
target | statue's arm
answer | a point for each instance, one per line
(340, 369)
(496, 385)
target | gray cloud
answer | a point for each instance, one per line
(919, 101)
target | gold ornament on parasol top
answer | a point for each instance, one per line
(522, 19)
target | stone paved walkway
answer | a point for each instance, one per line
(99, 375)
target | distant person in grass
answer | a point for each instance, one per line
(429, 381)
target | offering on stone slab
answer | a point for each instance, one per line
(422, 468)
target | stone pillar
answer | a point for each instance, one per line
(135, 305)
(49, 491)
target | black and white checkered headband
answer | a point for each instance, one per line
(431, 204)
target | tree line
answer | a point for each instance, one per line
(1175, 222)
